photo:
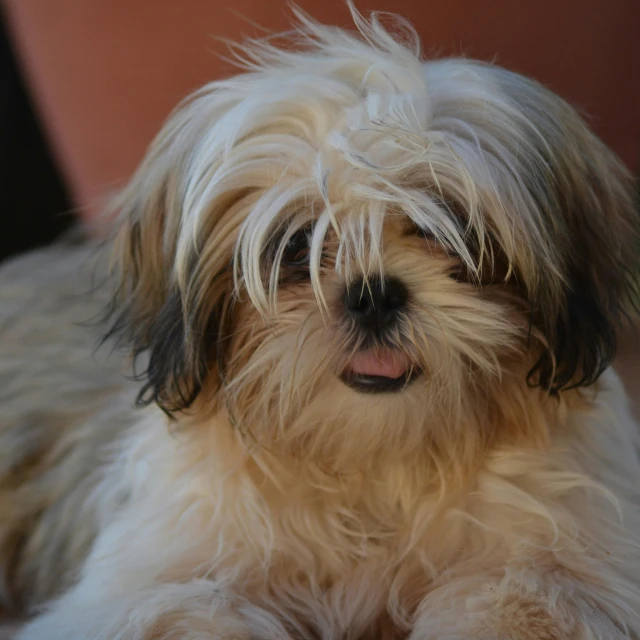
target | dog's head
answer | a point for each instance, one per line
(348, 250)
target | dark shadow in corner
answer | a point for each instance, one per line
(34, 204)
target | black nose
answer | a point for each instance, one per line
(376, 303)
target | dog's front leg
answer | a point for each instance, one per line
(522, 604)
(192, 611)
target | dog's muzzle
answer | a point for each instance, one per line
(375, 306)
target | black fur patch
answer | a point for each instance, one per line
(174, 352)
(179, 357)
(601, 285)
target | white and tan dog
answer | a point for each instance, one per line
(375, 301)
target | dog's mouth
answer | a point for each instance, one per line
(379, 371)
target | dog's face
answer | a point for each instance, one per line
(349, 251)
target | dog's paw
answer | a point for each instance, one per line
(493, 612)
(101, 625)
(178, 631)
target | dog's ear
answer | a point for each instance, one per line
(588, 210)
(595, 195)
(171, 266)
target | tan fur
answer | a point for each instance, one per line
(254, 494)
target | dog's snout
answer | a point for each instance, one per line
(375, 303)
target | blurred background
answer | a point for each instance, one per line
(85, 84)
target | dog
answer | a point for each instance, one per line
(371, 303)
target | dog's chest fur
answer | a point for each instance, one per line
(308, 545)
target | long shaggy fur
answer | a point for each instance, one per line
(254, 494)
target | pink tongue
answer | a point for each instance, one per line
(384, 363)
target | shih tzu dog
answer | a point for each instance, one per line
(373, 302)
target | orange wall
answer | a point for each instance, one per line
(106, 72)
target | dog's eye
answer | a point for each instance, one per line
(297, 251)
(414, 230)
